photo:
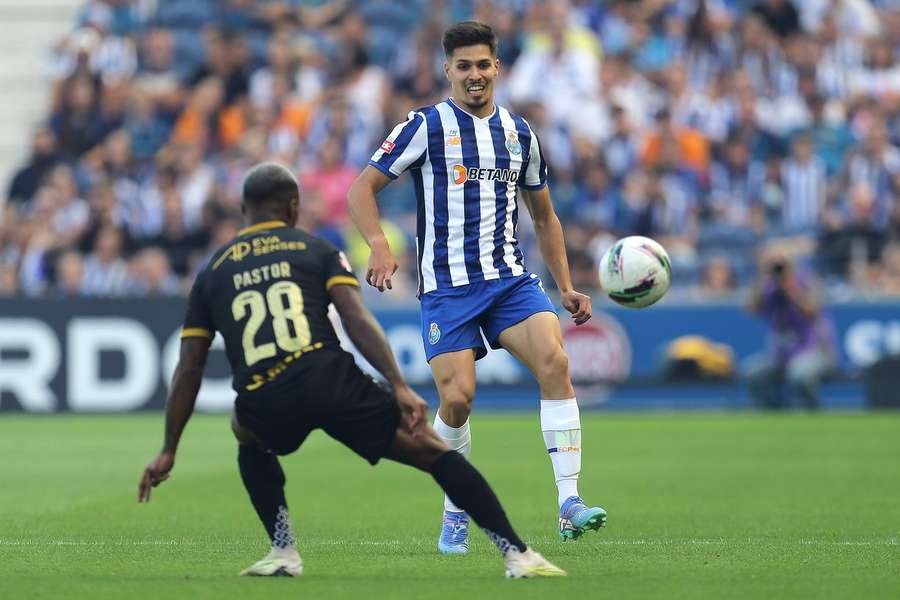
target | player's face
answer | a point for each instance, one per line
(472, 71)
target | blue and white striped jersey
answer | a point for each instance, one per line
(466, 172)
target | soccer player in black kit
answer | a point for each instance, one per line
(267, 292)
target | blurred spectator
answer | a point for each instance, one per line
(876, 162)
(226, 59)
(689, 146)
(735, 182)
(158, 76)
(195, 183)
(69, 275)
(561, 56)
(803, 179)
(151, 274)
(9, 281)
(881, 77)
(802, 351)
(71, 213)
(620, 148)
(852, 243)
(198, 123)
(717, 281)
(311, 218)
(43, 157)
(832, 138)
(146, 128)
(331, 180)
(175, 239)
(105, 270)
(78, 124)
(780, 15)
(597, 199)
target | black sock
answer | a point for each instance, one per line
(264, 480)
(469, 491)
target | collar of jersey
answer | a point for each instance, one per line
(461, 109)
(262, 226)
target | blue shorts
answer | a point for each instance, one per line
(453, 318)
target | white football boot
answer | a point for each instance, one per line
(530, 564)
(279, 562)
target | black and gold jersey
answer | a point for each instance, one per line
(266, 292)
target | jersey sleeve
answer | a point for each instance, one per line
(404, 146)
(198, 320)
(337, 270)
(535, 172)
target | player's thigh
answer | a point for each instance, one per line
(535, 341)
(276, 420)
(420, 451)
(365, 417)
(450, 322)
(454, 374)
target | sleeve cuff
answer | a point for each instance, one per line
(537, 186)
(340, 280)
(383, 169)
(188, 332)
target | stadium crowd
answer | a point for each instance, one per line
(717, 127)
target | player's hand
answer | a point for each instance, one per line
(578, 304)
(412, 409)
(155, 473)
(382, 267)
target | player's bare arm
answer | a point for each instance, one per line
(179, 407)
(553, 248)
(364, 212)
(368, 336)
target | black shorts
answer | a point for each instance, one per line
(329, 392)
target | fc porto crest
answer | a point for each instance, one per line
(434, 333)
(512, 143)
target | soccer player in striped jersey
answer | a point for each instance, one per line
(468, 158)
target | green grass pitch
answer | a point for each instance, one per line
(700, 505)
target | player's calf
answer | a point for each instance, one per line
(264, 480)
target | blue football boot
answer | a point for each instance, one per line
(454, 533)
(575, 518)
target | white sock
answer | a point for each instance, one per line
(457, 438)
(561, 425)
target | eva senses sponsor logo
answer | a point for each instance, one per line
(461, 174)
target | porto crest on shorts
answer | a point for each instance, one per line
(512, 143)
(434, 333)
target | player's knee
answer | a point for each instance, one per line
(553, 366)
(423, 450)
(433, 447)
(457, 393)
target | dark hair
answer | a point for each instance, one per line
(469, 33)
(269, 183)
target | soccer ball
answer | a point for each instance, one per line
(635, 272)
